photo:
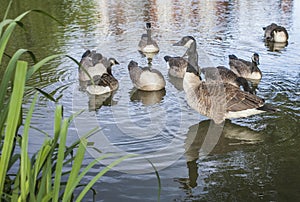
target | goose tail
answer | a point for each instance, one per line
(268, 108)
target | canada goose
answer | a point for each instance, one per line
(103, 84)
(248, 70)
(94, 63)
(227, 76)
(218, 101)
(147, 79)
(147, 44)
(176, 65)
(275, 33)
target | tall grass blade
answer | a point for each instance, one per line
(44, 188)
(7, 9)
(100, 174)
(57, 122)
(60, 158)
(158, 179)
(5, 14)
(11, 66)
(25, 162)
(8, 31)
(47, 95)
(76, 167)
(12, 120)
(82, 174)
(38, 65)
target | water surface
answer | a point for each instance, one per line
(254, 158)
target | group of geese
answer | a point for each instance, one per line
(218, 97)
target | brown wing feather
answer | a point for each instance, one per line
(108, 80)
(237, 100)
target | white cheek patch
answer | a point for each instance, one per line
(188, 44)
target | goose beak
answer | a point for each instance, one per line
(179, 43)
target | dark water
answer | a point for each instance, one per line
(249, 159)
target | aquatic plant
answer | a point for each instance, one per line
(43, 176)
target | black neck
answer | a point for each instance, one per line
(192, 59)
(254, 66)
(243, 82)
(148, 36)
(109, 69)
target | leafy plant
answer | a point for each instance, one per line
(38, 178)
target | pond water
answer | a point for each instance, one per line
(254, 158)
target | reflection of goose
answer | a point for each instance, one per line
(97, 101)
(215, 100)
(177, 82)
(147, 44)
(273, 46)
(246, 69)
(94, 64)
(146, 78)
(209, 138)
(226, 75)
(148, 97)
(275, 33)
(215, 139)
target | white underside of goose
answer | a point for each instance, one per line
(150, 49)
(255, 76)
(98, 90)
(150, 82)
(98, 69)
(280, 37)
(243, 113)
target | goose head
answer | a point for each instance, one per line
(132, 64)
(191, 53)
(86, 54)
(186, 41)
(255, 58)
(148, 25)
(113, 61)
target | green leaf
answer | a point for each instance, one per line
(76, 167)
(60, 158)
(12, 120)
(100, 174)
(10, 69)
(7, 10)
(47, 95)
(158, 179)
(24, 165)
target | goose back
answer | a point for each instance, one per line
(147, 79)
(225, 75)
(246, 69)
